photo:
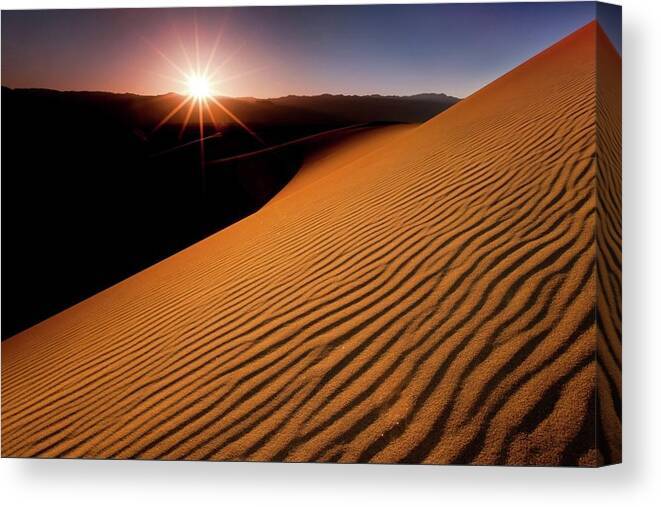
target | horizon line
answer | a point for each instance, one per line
(321, 94)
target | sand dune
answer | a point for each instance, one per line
(330, 158)
(428, 298)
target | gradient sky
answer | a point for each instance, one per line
(387, 49)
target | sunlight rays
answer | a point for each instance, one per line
(200, 82)
(174, 111)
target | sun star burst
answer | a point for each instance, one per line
(200, 84)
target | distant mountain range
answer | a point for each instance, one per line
(365, 108)
(145, 111)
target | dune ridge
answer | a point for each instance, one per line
(432, 300)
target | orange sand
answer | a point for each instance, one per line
(422, 296)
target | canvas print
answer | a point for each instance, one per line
(340, 234)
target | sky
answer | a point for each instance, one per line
(274, 51)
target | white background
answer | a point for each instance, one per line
(636, 482)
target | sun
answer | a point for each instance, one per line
(198, 87)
